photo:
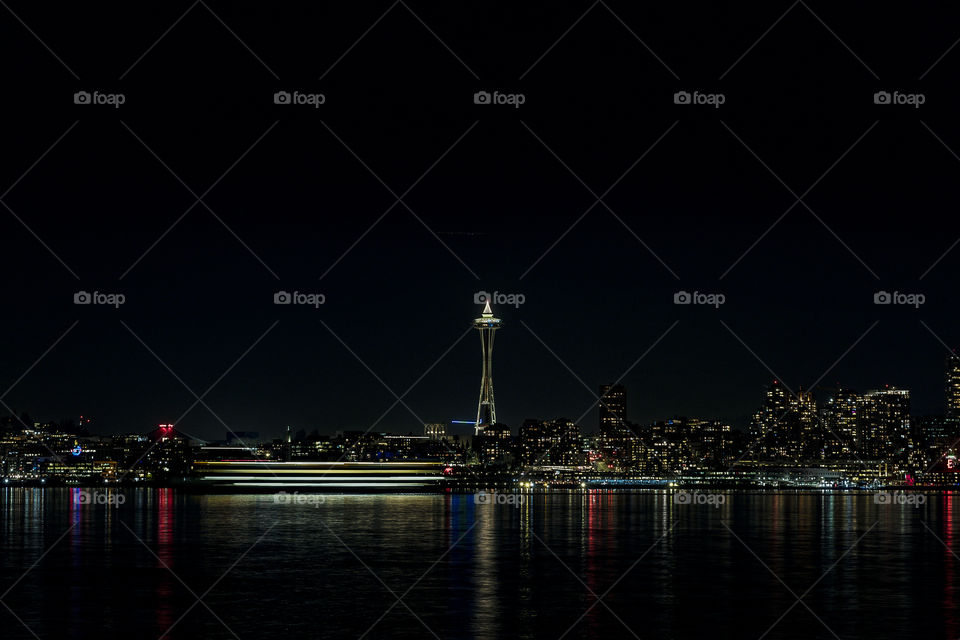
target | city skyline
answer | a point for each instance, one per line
(610, 404)
(742, 422)
(852, 440)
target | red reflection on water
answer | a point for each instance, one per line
(950, 569)
(164, 604)
(593, 552)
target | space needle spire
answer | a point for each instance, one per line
(486, 324)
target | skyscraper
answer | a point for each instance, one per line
(769, 422)
(884, 422)
(617, 438)
(840, 423)
(487, 325)
(613, 408)
(953, 386)
(806, 440)
(788, 425)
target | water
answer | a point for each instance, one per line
(463, 570)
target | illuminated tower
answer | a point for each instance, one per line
(486, 324)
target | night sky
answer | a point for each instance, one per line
(504, 199)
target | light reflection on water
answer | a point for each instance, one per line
(466, 570)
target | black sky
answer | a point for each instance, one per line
(501, 186)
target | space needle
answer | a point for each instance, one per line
(486, 324)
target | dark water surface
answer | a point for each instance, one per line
(463, 570)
